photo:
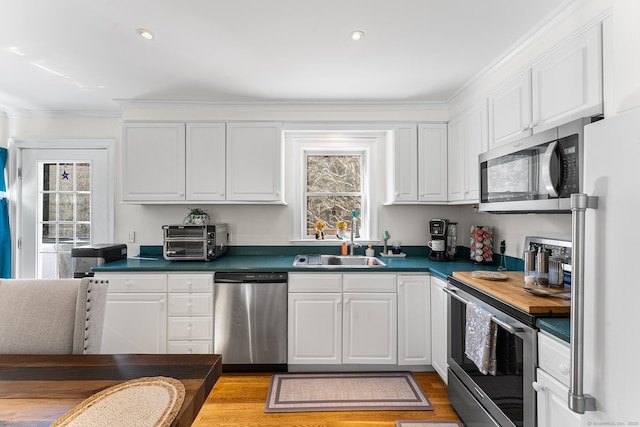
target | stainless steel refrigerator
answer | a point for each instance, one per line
(611, 284)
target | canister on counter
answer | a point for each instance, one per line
(530, 267)
(542, 268)
(556, 274)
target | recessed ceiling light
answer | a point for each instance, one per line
(145, 34)
(357, 35)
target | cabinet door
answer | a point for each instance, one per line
(567, 84)
(205, 161)
(414, 320)
(439, 336)
(467, 139)
(315, 328)
(135, 323)
(432, 163)
(370, 328)
(254, 162)
(552, 403)
(405, 163)
(475, 143)
(455, 160)
(510, 111)
(153, 162)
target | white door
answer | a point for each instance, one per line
(370, 328)
(66, 201)
(315, 328)
(135, 323)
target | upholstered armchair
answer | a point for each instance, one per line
(52, 316)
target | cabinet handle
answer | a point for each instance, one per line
(537, 386)
(190, 351)
(525, 128)
(532, 125)
(564, 369)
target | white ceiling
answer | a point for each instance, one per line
(80, 55)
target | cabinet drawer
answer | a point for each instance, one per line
(189, 347)
(190, 328)
(375, 282)
(135, 282)
(315, 282)
(190, 282)
(554, 357)
(190, 304)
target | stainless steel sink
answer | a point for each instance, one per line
(328, 261)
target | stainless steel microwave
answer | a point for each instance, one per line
(536, 174)
(194, 242)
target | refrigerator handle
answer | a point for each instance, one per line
(578, 402)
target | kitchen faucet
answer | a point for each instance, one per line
(354, 225)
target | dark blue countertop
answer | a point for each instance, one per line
(557, 326)
(280, 259)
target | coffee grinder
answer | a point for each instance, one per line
(438, 242)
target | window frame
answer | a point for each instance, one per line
(331, 143)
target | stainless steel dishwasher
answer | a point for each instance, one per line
(250, 321)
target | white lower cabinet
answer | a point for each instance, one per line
(414, 320)
(136, 314)
(552, 384)
(369, 328)
(315, 328)
(439, 335)
(158, 313)
(359, 319)
(190, 314)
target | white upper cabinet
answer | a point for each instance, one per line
(432, 163)
(205, 161)
(564, 85)
(467, 139)
(153, 162)
(510, 111)
(418, 158)
(405, 163)
(567, 84)
(254, 162)
(202, 162)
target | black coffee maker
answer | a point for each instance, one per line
(438, 242)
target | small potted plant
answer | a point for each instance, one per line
(197, 216)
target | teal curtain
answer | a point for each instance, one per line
(5, 237)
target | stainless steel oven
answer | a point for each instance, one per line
(504, 399)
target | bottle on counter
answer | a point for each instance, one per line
(369, 251)
(530, 267)
(343, 248)
(542, 268)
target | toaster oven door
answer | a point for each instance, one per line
(185, 250)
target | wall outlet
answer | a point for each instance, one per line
(132, 237)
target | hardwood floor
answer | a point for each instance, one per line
(238, 400)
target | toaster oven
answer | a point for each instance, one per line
(194, 242)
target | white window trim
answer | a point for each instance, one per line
(360, 142)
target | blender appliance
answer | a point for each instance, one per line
(438, 229)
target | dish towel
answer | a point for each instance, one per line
(480, 339)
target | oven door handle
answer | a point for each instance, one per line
(511, 329)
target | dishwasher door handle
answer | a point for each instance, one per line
(229, 281)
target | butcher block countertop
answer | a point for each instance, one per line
(511, 292)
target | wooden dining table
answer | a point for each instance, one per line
(35, 390)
